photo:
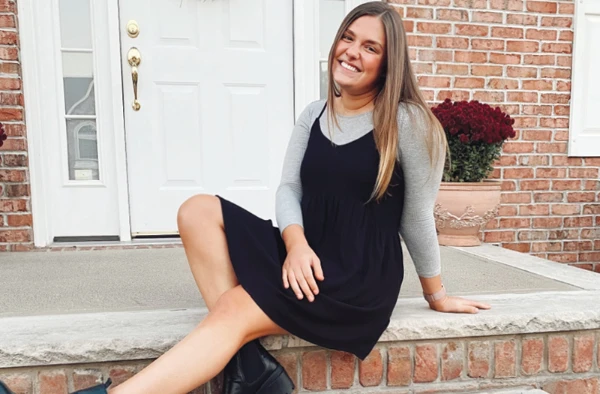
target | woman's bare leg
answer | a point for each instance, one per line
(234, 320)
(200, 222)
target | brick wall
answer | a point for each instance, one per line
(559, 363)
(15, 209)
(516, 54)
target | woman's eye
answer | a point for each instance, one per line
(371, 49)
(346, 37)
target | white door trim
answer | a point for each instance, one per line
(33, 98)
(306, 61)
(39, 89)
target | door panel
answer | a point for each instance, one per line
(215, 84)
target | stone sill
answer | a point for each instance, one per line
(44, 340)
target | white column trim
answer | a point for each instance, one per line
(33, 98)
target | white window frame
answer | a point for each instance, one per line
(582, 142)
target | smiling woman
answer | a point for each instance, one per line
(331, 272)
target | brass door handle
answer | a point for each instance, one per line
(134, 58)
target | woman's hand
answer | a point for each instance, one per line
(298, 270)
(457, 305)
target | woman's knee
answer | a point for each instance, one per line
(198, 210)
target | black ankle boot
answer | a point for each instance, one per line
(4, 389)
(98, 389)
(267, 375)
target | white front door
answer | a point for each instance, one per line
(215, 88)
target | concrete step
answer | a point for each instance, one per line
(527, 390)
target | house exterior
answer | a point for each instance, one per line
(117, 111)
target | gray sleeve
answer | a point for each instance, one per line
(417, 226)
(289, 192)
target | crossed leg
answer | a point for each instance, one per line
(233, 320)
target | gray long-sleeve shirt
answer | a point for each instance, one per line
(417, 226)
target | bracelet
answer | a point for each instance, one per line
(435, 296)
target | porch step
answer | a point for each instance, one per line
(527, 390)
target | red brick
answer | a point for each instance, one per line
(537, 85)
(556, 73)
(537, 209)
(423, 68)
(290, 363)
(426, 363)
(420, 13)
(555, 123)
(581, 197)
(487, 17)
(518, 147)
(9, 53)
(456, 95)
(452, 15)
(487, 44)
(505, 359)
(547, 222)
(419, 41)
(560, 135)
(506, 160)
(8, 236)
(120, 374)
(507, 32)
(452, 69)
(512, 198)
(583, 173)
(548, 197)
(452, 361)
(11, 114)
(549, 21)
(550, 172)
(535, 185)
(496, 97)
(10, 84)
(522, 46)
(479, 359)
(591, 256)
(558, 353)
(508, 186)
(566, 35)
(507, 211)
(591, 209)
(314, 370)
(53, 383)
(435, 55)
(452, 42)
(548, 60)
(566, 8)
(564, 61)
(473, 4)
(14, 205)
(574, 246)
(583, 353)
(433, 28)
(536, 135)
(532, 356)
(342, 370)
(557, 48)
(19, 220)
(546, 246)
(83, 379)
(434, 82)
(591, 185)
(469, 83)
(522, 19)
(10, 68)
(581, 386)
(499, 236)
(509, 5)
(515, 223)
(399, 371)
(370, 371)
(563, 234)
(471, 30)
(590, 233)
(523, 97)
(501, 58)
(533, 160)
(522, 122)
(533, 235)
(566, 185)
(518, 247)
(7, 21)
(18, 383)
(518, 173)
(521, 72)
(441, 3)
(472, 57)
(555, 147)
(542, 7)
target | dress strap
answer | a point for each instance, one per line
(323, 110)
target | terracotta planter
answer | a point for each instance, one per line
(463, 209)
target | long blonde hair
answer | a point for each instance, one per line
(398, 84)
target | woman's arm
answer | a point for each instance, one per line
(421, 183)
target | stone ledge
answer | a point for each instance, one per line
(101, 337)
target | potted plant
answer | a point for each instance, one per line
(467, 200)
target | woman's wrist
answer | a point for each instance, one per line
(433, 298)
(293, 235)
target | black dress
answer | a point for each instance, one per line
(356, 240)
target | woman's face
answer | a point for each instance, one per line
(359, 56)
